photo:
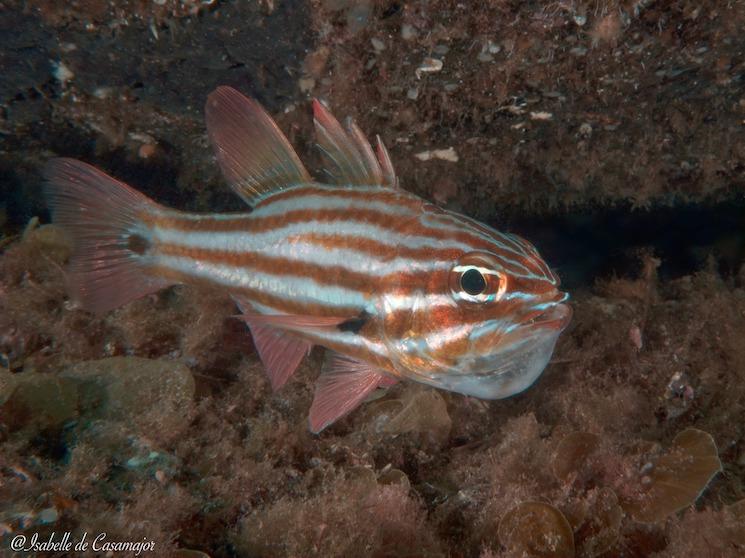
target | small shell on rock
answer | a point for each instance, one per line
(448, 154)
(408, 32)
(428, 66)
(47, 516)
(541, 115)
(635, 336)
(377, 44)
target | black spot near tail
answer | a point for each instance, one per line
(138, 244)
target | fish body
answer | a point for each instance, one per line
(396, 287)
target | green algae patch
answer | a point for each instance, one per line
(572, 453)
(394, 477)
(51, 240)
(676, 479)
(423, 411)
(536, 529)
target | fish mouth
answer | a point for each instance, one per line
(556, 318)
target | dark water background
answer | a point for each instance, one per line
(596, 243)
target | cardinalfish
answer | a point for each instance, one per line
(395, 287)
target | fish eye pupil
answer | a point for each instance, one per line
(472, 282)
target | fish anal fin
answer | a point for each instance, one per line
(350, 159)
(344, 383)
(253, 153)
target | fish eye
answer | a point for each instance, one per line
(475, 278)
(472, 282)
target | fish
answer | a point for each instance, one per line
(393, 286)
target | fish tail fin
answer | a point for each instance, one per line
(111, 260)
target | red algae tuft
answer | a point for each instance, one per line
(596, 521)
(348, 518)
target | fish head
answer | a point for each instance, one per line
(484, 325)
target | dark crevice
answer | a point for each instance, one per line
(593, 243)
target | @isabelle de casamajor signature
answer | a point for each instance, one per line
(67, 542)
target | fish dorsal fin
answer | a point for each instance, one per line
(386, 166)
(255, 157)
(349, 157)
(344, 383)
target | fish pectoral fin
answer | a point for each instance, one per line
(344, 383)
(254, 155)
(280, 352)
(290, 322)
(348, 155)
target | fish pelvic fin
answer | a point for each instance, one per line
(280, 352)
(348, 155)
(253, 153)
(110, 262)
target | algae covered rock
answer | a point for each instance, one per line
(141, 394)
(145, 394)
(51, 240)
(34, 401)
